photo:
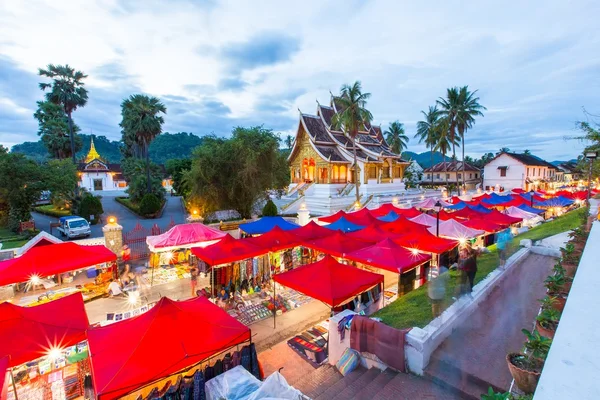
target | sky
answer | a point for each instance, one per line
(220, 64)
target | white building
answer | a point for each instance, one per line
(451, 172)
(509, 171)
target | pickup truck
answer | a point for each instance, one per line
(74, 226)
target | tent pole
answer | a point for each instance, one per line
(212, 278)
(274, 309)
(12, 378)
(152, 279)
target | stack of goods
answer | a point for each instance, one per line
(280, 305)
(165, 275)
(312, 344)
(390, 294)
(249, 314)
(72, 385)
(295, 299)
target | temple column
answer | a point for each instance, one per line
(329, 172)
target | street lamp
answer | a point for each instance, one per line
(437, 207)
(531, 193)
(590, 155)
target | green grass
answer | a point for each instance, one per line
(13, 244)
(129, 204)
(50, 210)
(414, 308)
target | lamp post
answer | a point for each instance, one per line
(437, 207)
(531, 193)
(591, 156)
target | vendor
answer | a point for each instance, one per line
(223, 295)
(114, 289)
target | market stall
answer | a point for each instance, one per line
(265, 224)
(48, 272)
(425, 219)
(529, 219)
(343, 225)
(312, 231)
(174, 343)
(372, 234)
(337, 245)
(402, 226)
(455, 230)
(430, 204)
(46, 348)
(362, 217)
(333, 217)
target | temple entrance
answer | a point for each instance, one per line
(97, 184)
(308, 170)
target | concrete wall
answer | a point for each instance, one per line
(573, 364)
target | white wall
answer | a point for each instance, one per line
(470, 175)
(515, 174)
(87, 181)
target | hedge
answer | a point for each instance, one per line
(136, 208)
(51, 211)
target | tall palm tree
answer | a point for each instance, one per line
(443, 142)
(450, 107)
(352, 115)
(141, 118)
(427, 130)
(468, 109)
(527, 152)
(67, 89)
(396, 137)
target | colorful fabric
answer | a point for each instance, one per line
(348, 362)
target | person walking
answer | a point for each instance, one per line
(462, 287)
(194, 280)
(436, 289)
(504, 237)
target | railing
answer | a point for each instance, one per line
(296, 188)
(347, 191)
(340, 191)
(369, 199)
(288, 205)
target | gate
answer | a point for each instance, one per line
(136, 239)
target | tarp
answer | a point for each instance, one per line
(184, 236)
(557, 201)
(445, 215)
(28, 333)
(454, 200)
(463, 214)
(496, 199)
(408, 212)
(371, 234)
(311, 231)
(265, 224)
(337, 245)
(501, 219)
(329, 281)
(361, 217)
(227, 250)
(457, 206)
(525, 207)
(515, 201)
(403, 226)
(343, 225)
(274, 240)
(4, 377)
(429, 204)
(518, 190)
(170, 337)
(483, 224)
(479, 208)
(425, 219)
(426, 242)
(536, 197)
(52, 259)
(384, 209)
(525, 215)
(455, 230)
(389, 217)
(333, 217)
(390, 256)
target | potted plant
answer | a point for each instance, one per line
(578, 237)
(570, 259)
(526, 368)
(547, 322)
(491, 395)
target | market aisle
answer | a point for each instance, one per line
(282, 356)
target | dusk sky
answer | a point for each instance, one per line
(219, 64)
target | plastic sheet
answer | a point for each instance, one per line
(239, 384)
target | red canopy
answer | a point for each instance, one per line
(482, 225)
(445, 215)
(312, 231)
(227, 250)
(372, 234)
(501, 219)
(185, 235)
(337, 245)
(426, 242)
(454, 200)
(170, 337)
(4, 377)
(390, 256)
(275, 239)
(52, 259)
(408, 212)
(28, 333)
(361, 217)
(384, 210)
(333, 217)
(516, 201)
(402, 226)
(466, 213)
(518, 190)
(329, 281)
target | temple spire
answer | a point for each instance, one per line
(92, 154)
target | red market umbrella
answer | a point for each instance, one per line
(333, 217)
(384, 210)
(312, 231)
(390, 256)
(227, 250)
(372, 234)
(426, 242)
(361, 217)
(274, 240)
(337, 245)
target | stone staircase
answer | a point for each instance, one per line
(326, 383)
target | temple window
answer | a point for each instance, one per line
(373, 172)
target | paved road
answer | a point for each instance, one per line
(125, 218)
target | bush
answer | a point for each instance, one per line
(90, 206)
(270, 209)
(150, 204)
(52, 211)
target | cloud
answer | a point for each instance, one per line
(263, 49)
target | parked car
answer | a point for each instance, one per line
(74, 226)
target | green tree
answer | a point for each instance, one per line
(90, 207)
(468, 109)
(396, 137)
(270, 209)
(134, 171)
(177, 168)
(443, 142)
(503, 150)
(289, 141)
(527, 152)
(352, 115)
(142, 120)
(61, 179)
(150, 204)
(168, 146)
(54, 129)
(427, 130)
(67, 90)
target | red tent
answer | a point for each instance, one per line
(372, 234)
(52, 259)
(329, 281)
(426, 242)
(275, 239)
(402, 226)
(184, 235)
(445, 215)
(501, 219)
(466, 213)
(170, 337)
(516, 201)
(482, 225)
(227, 250)
(333, 217)
(361, 217)
(337, 245)
(408, 212)
(28, 333)
(390, 256)
(518, 190)
(384, 210)
(311, 231)
(4, 377)
(454, 200)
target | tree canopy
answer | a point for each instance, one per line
(396, 137)
(54, 130)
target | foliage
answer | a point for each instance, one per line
(503, 150)
(90, 205)
(233, 173)
(412, 178)
(548, 302)
(352, 115)
(35, 151)
(67, 90)
(54, 129)
(133, 171)
(491, 395)
(270, 209)
(427, 131)
(61, 179)
(281, 172)
(548, 317)
(555, 282)
(176, 167)
(289, 141)
(396, 137)
(108, 149)
(536, 345)
(167, 146)
(52, 211)
(150, 205)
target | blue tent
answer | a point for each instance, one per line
(496, 199)
(389, 217)
(557, 201)
(479, 208)
(342, 224)
(265, 224)
(458, 206)
(525, 207)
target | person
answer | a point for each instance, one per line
(114, 289)
(193, 280)
(126, 254)
(467, 265)
(437, 289)
(504, 238)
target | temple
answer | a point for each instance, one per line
(322, 161)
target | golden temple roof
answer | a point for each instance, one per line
(93, 154)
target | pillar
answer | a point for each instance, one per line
(303, 215)
(113, 237)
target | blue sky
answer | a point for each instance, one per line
(219, 64)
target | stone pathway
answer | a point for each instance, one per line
(473, 358)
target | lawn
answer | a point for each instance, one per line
(414, 309)
(52, 211)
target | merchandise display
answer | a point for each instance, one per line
(159, 275)
(312, 344)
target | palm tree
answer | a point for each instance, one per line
(67, 90)
(443, 142)
(353, 114)
(469, 108)
(396, 137)
(528, 152)
(141, 118)
(289, 141)
(503, 150)
(427, 130)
